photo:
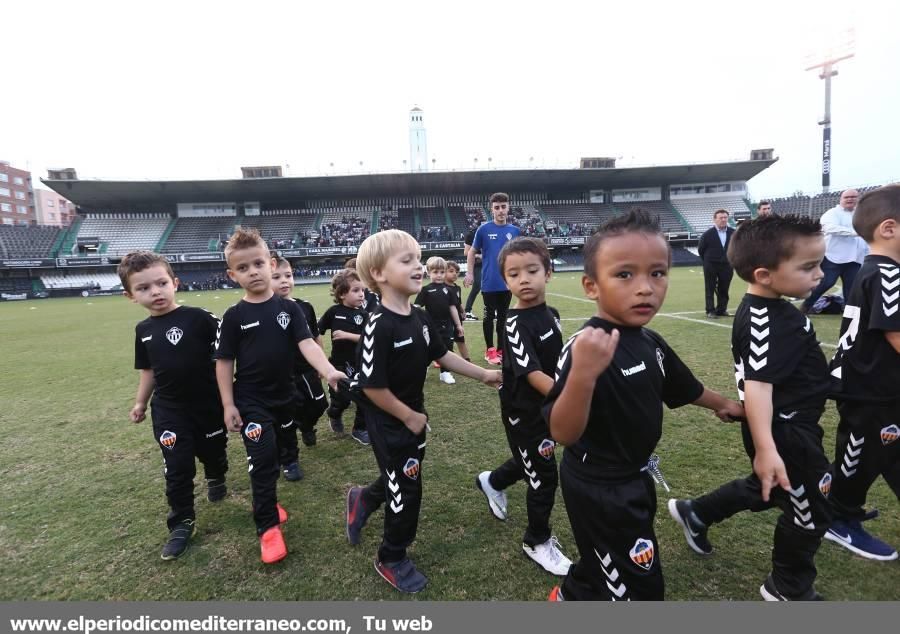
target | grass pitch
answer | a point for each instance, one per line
(83, 507)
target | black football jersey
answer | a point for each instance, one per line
(178, 347)
(396, 351)
(457, 296)
(533, 343)
(262, 339)
(773, 342)
(301, 365)
(625, 420)
(352, 320)
(370, 301)
(866, 366)
(437, 300)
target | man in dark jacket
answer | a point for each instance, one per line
(717, 272)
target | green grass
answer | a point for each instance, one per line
(83, 509)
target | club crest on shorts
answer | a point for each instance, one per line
(427, 335)
(889, 434)
(825, 484)
(174, 335)
(546, 448)
(253, 431)
(283, 320)
(642, 553)
(167, 439)
(411, 468)
(358, 320)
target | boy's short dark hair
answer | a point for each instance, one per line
(137, 261)
(767, 241)
(350, 264)
(874, 207)
(341, 283)
(244, 238)
(452, 265)
(635, 221)
(280, 260)
(524, 245)
(499, 197)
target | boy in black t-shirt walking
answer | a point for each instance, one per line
(311, 401)
(782, 379)
(450, 277)
(258, 335)
(345, 319)
(867, 364)
(531, 349)
(173, 351)
(439, 302)
(398, 344)
(606, 406)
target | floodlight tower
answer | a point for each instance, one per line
(830, 57)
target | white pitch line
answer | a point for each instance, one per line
(680, 316)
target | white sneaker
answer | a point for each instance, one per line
(447, 378)
(496, 499)
(549, 557)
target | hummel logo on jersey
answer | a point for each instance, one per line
(432, 290)
(146, 339)
(339, 317)
(634, 370)
(405, 342)
(546, 334)
(368, 341)
(283, 319)
(174, 335)
(249, 326)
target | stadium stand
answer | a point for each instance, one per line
(474, 217)
(97, 280)
(283, 228)
(698, 212)
(27, 242)
(341, 228)
(669, 221)
(123, 233)
(388, 219)
(433, 224)
(680, 255)
(195, 235)
(16, 285)
(458, 223)
(406, 220)
(575, 220)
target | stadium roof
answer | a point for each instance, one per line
(110, 195)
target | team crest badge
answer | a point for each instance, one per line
(546, 448)
(660, 357)
(889, 434)
(283, 319)
(358, 320)
(825, 484)
(427, 335)
(253, 431)
(642, 553)
(411, 469)
(174, 335)
(508, 236)
(167, 439)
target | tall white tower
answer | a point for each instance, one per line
(418, 151)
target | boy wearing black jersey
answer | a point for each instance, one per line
(311, 401)
(398, 344)
(439, 302)
(258, 334)
(531, 349)
(450, 277)
(606, 406)
(867, 364)
(173, 351)
(345, 319)
(782, 379)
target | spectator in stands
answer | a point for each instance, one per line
(763, 208)
(717, 272)
(844, 249)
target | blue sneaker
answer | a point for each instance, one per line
(357, 514)
(851, 535)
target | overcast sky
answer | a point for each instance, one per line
(192, 90)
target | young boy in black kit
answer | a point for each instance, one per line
(173, 350)
(606, 406)
(450, 278)
(345, 319)
(311, 401)
(258, 334)
(531, 349)
(439, 302)
(782, 379)
(398, 344)
(867, 364)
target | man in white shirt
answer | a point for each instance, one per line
(844, 249)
